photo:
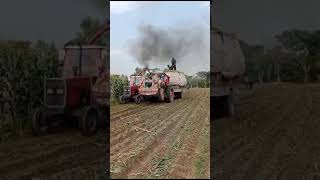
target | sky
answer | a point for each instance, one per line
(50, 20)
(257, 21)
(127, 16)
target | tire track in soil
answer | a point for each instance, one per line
(137, 120)
(306, 149)
(187, 153)
(152, 126)
(274, 151)
(59, 160)
(151, 111)
(167, 149)
(237, 155)
(254, 114)
(79, 152)
(296, 144)
(167, 121)
(153, 142)
(127, 113)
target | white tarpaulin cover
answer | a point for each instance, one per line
(176, 77)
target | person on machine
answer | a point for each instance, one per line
(173, 65)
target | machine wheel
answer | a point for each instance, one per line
(137, 99)
(122, 100)
(40, 124)
(89, 120)
(170, 95)
(103, 117)
(161, 94)
(180, 95)
(231, 108)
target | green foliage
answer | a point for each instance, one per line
(118, 82)
(23, 68)
(89, 27)
(200, 80)
(295, 60)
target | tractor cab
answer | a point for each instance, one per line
(82, 60)
(131, 91)
(81, 70)
(81, 92)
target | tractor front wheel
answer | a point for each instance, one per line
(89, 120)
(137, 99)
(40, 124)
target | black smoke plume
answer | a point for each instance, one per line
(155, 44)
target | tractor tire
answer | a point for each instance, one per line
(137, 99)
(122, 100)
(103, 117)
(169, 94)
(40, 125)
(180, 95)
(89, 121)
(161, 94)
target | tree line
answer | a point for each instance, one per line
(295, 58)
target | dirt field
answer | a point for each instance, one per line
(276, 135)
(60, 156)
(162, 140)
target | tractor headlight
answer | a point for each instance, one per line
(50, 91)
(60, 91)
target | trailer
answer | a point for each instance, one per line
(162, 85)
(227, 68)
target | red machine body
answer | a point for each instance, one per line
(83, 90)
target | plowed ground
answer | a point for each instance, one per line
(276, 135)
(162, 140)
(61, 156)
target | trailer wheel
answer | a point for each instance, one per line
(180, 95)
(137, 99)
(89, 120)
(231, 108)
(122, 100)
(40, 124)
(161, 94)
(170, 95)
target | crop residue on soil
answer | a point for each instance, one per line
(162, 140)
(276, 135)
(60, 156)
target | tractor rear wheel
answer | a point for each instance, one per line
(103, 117)
(89, 120)
(161, 94)
(40, 124)
(169, 94)
(137, 99)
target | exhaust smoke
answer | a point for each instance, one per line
(160, 45)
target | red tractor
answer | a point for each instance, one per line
(82, 93)
(131, 92)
